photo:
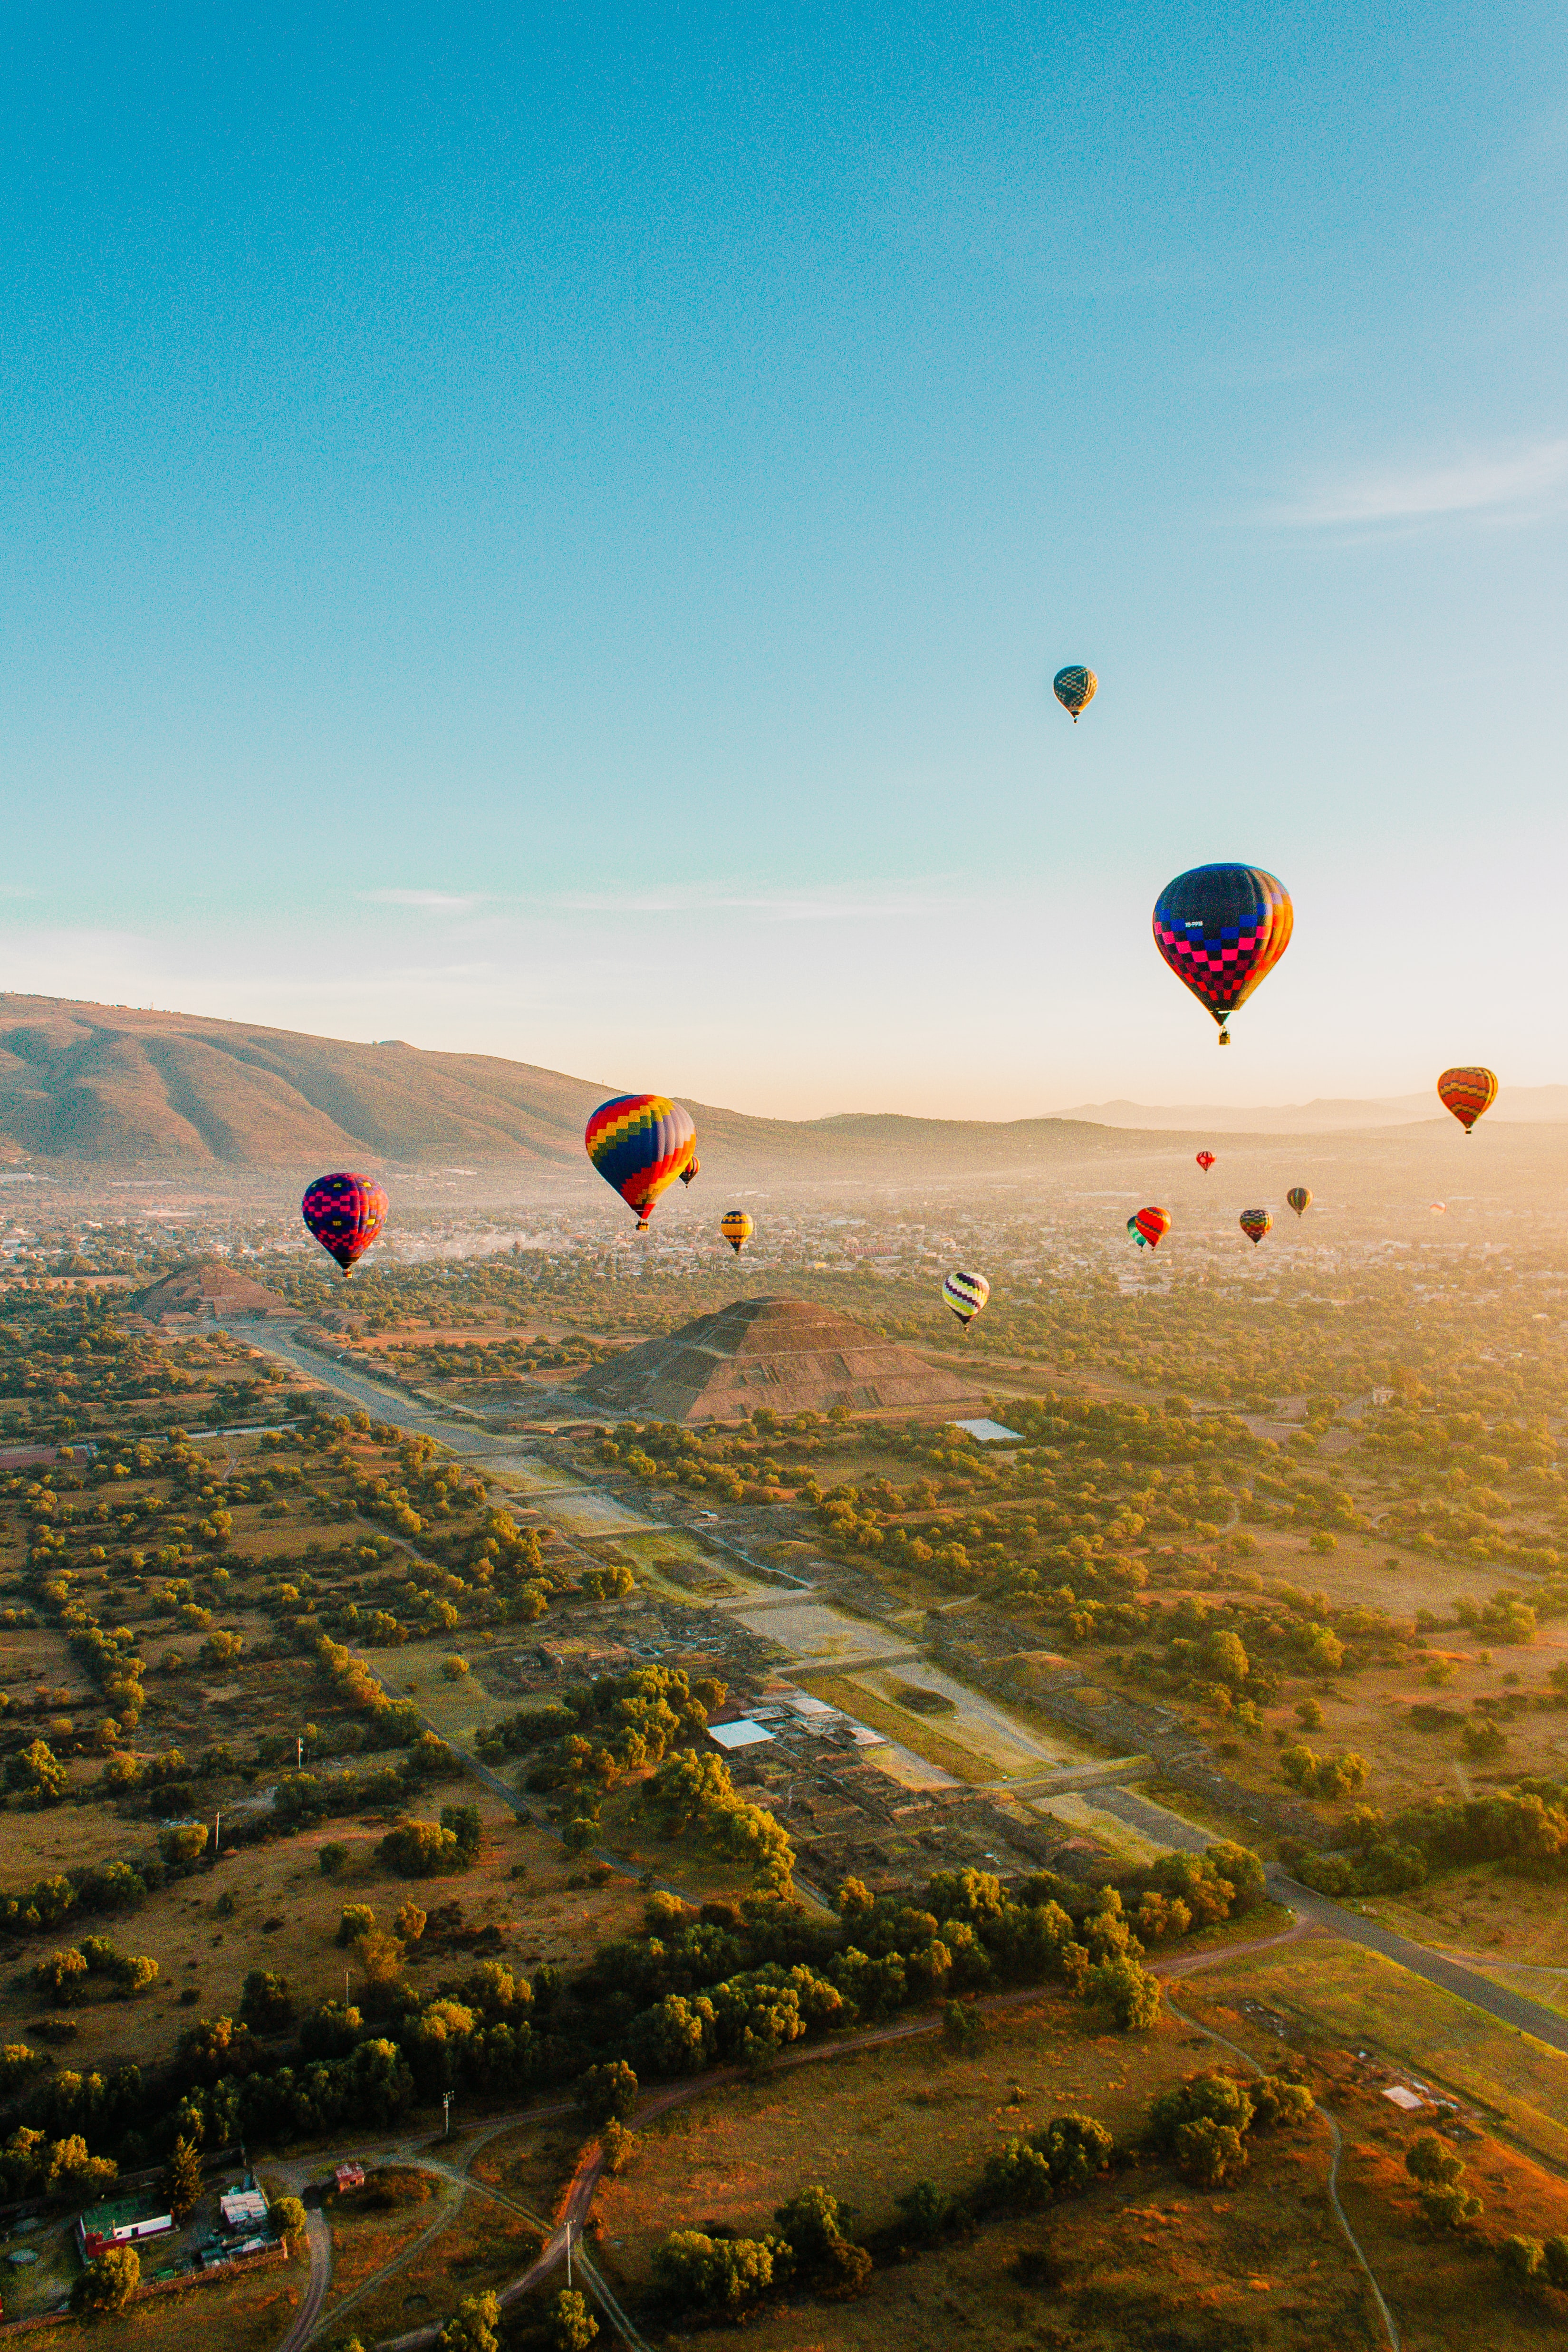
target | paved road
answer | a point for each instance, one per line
(1514, 2008)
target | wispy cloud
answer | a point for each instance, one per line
(1482, 483)
(853, 903)
(430, 902)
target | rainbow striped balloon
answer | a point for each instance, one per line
(1255, 1224)
(737, 1228)
(966, 1294)
(640, 1144)
(1467, 1092)
(1299, 1199)
(1150, 1225)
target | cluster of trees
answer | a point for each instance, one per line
(1439, 2178)
(1203, 2123)
(1525, 1827)
(688, 1792)
(599, 1734)
(729, 2277)
(65, 1978)
(416, 1849)
(1329, 1776)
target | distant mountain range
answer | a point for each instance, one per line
(111, 1085)
(1528, 1106)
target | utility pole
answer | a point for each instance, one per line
(218, 1829)
(568, 2258)
(298, 1749)
(447, 2114)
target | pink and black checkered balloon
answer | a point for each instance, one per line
(345, 1212)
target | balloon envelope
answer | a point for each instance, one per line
(1255, 1224)
(966, 1294)
(640, 1144)
(1222, 929)
(1299, 1199)
(737, 1228)
(1468, 1091)
(694, 1166)
(345, 1212)
(1205, 1161)
(1151, 1225)
(1075, 687)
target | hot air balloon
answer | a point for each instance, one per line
(1205, 1161)
(1075, 689)
(1439, 1208)
(966, 1294)
(1222, 929)
(1132, 1233)
(693, 1167)
(1299, 1199)
(640, 1144)
(1150, 1225)
(345, 1212)
(1467, 1092)
(1255, 1224)
(737, 1228)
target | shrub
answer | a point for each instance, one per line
(62, 1978)
(695, 2273)
(419, 1848)
(925, 2210)
(182, 1844)
(267, 2003)
(812, 2226)
(358, 1919)
(109, 2281)
(455, 1669)
(333, 1859)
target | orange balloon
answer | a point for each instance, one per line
(1468, 1091)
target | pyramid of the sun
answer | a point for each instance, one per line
(775, 1352)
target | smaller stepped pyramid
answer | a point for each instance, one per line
(777, 1352)
(202, 1291)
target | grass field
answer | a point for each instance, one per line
(1356, 1999)
(1141, 2254)
(245, 2315)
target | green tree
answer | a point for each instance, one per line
(109, 2281)
(419, 1848)
(287, 2215)
(183, 2179)
(267, 2003)
(472, 2327)
(606, 2092)
(333, 1858)
(573, 2327)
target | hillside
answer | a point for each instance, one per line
(112, 1086)
(1327, 1115)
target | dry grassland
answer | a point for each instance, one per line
(243, 2314)
(1345, 1998)
(485, 2244)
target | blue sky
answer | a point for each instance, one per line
(552, 537)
